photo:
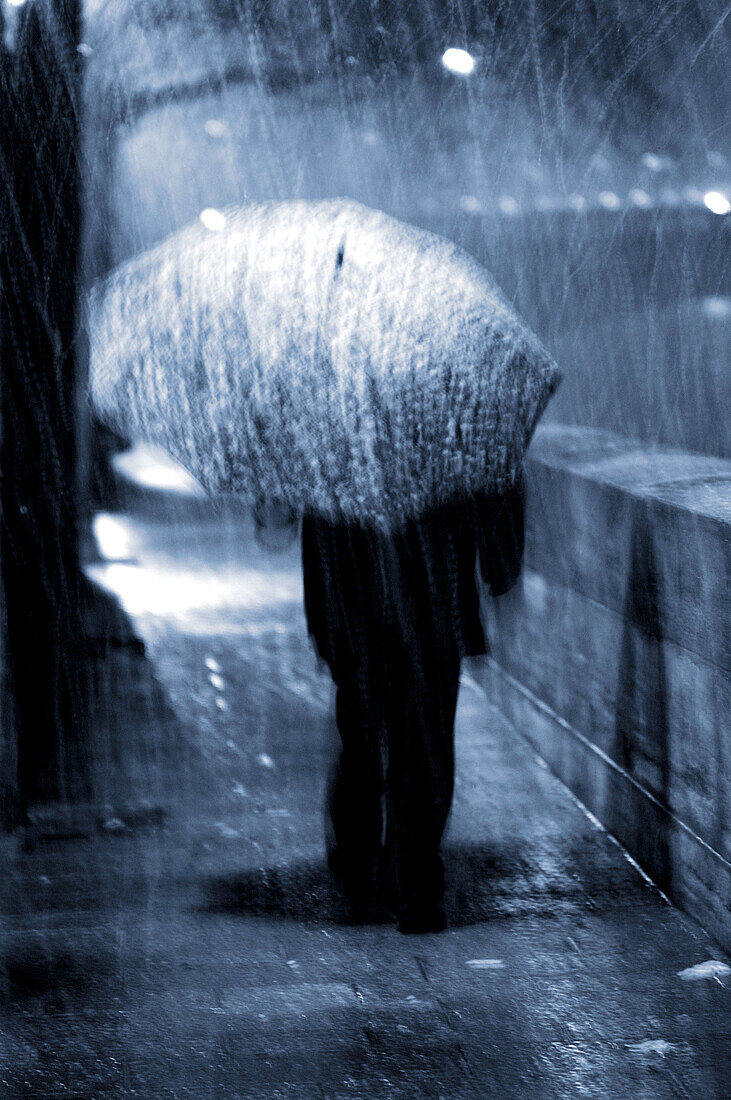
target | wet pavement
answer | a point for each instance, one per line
(193, 945)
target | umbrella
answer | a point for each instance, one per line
(322, 355)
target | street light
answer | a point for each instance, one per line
(716, 202)
(458, 61)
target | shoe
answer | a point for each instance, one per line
(358, 885)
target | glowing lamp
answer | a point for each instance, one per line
(458, 61)
(716, 202)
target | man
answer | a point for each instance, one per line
(392, 615)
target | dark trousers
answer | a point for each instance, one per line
(391, 791)
(396, 671)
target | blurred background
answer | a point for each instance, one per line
(579, 149)
(169, 926)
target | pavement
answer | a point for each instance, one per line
(189, 942)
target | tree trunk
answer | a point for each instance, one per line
(44, 720)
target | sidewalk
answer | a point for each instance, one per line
(200, 951)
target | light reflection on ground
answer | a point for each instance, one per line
(114, 537)
(176, 592)
(152, 468)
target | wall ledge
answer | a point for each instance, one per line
(612, 654)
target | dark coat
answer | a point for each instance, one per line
(419, 581)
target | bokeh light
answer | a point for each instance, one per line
(212, 219)
(716, 202)
(458, 61)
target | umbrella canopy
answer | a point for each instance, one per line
(323, 355)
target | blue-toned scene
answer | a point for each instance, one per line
(365, 500)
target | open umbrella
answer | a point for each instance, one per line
(322, 355)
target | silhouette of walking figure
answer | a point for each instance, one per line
(392, 614)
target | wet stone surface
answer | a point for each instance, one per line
(203, 951)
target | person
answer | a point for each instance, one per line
(392, 615)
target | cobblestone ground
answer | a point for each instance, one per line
(194, 946)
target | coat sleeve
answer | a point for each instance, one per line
(314, 587)
(500, 534)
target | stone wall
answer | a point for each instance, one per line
(612, 654)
